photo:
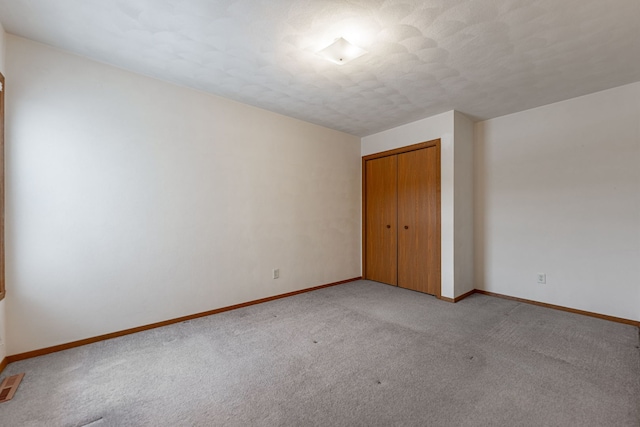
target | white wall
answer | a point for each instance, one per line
(558, 192)
(132, 201)
(456, 264)
(3, 334)
(439, 126)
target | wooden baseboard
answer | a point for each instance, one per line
(561, 308)
(543, 304)
(56, 348)
(79, 343)
(458, 298)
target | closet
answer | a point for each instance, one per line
(401, 217)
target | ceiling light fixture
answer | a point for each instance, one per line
(341, 51)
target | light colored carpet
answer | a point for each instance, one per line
(358, 354)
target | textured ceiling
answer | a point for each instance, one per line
(485, 58)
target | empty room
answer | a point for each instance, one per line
(319, 213)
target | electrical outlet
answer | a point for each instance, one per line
(276, 273)
(542, 278)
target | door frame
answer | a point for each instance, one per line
(408, 148)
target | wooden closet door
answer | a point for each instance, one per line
(419, 220)
(381, 251)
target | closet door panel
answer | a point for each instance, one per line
(418, 220)
(381, 251)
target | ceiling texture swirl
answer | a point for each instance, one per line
(484, 58)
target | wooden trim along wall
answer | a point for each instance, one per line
(56, 348)
(561, 308)
(459, 298)
(401, 150)
(48, 350)
(544, 304)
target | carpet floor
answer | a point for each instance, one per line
(357, 354)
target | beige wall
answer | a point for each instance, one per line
(132, 201)
(558, 192)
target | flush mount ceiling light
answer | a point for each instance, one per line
(341, 51)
